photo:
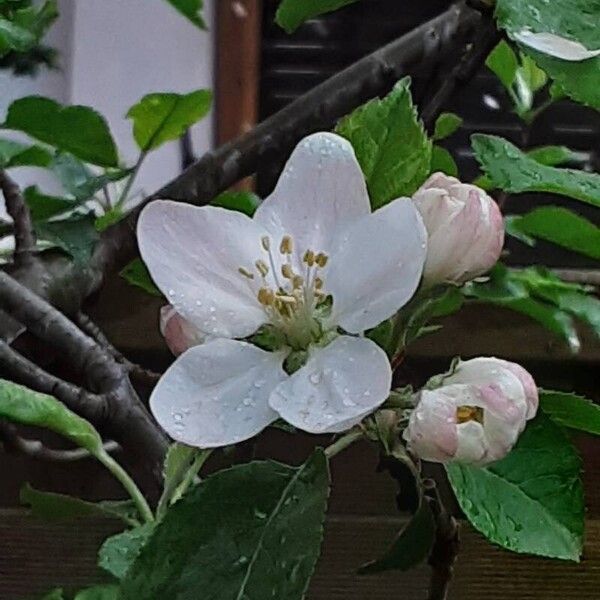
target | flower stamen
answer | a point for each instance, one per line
(464, 414)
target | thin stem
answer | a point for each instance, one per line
(130, 180)
(130, 486)
(343, 442)
(191, 474)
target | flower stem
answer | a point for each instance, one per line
(132, 489)
(343, 442)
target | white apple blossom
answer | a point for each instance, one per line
(316, 264)
(555, 45)
(475, 416)
(465, 227)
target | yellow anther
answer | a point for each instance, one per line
(465, 414)
(309, 258)
(298, 282)
(321, 259)
(287, 271)
(287, 245)
(318, 283)
(245, 273)
(266, 296)
(265, 242)
(262, 268)
(285, 299)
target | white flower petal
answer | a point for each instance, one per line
(472, 443)
(193, 255)
(321, 188)
(376, 265)
(555, 45)
(339, 385)
(485, 371)
(217, 394)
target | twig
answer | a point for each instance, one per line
(445, 547)
(487, 38)
(13, 442)
(90, 406)
(127, 421)
(17, 208)
(139, 373)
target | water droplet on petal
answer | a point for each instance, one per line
(315, 377)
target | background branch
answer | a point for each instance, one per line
(16, 207)
(15, 443)
(445, 546)
(125, 420)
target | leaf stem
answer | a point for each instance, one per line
(127, 482)
(343, 442)
(130, 180)
(193, 470)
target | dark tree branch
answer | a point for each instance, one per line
(126, 420)
(445, 546)
(486, 39)
(137, 372)
(15, 443)
(17, 208)
(90, 406)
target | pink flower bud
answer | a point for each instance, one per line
(475, 416)
(179, 333)
(465, 227)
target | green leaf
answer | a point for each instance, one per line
(14, 37)
(553, 156)
(579, 80)
(532, 500)
(390, 144)
(37, 18)
(244, 202)
(530, 292)
(250, 531)
(79, 130)
(573, 19)
(136, 273)
(442, 160)
(570, 410)
(513, 171)
(119, 552)
(43, 206)
(503, 62)
(511, 226)
(99, 592)
(22, 405)
(191, 9)
(411, 547)
(59, 507)
(75, 235)
(79, 180)
(445, 125)
(16, 154)
(292, 13)
(110, 217)
(162, 117)
(562, 227)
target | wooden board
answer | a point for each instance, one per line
(35, 556)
